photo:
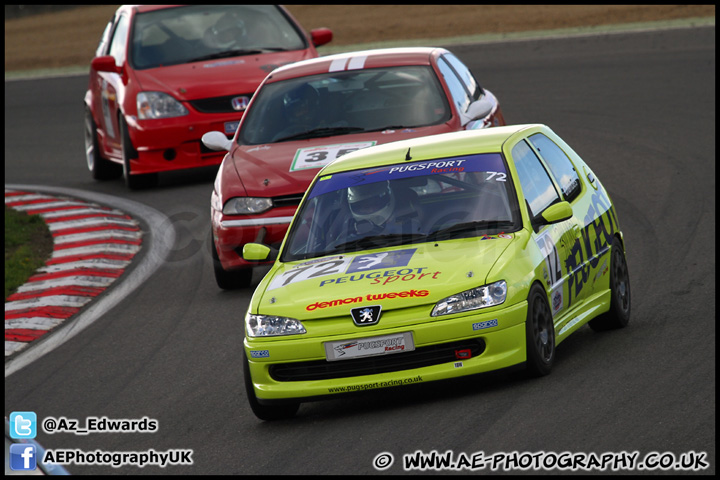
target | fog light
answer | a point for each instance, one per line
(463, 354)
(169, 154)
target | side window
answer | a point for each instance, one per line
(460, 95)
(473, 88)
(102, 45)
(119, 40)
(562, 169)
(537, 187)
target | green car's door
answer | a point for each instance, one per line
(586, 243)
(553, 240)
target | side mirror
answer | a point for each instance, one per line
(321, 36)
(480, 109)
(257, 252)
(106, 63)
(556, 213)
(216, 141)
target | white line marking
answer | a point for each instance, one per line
(93, 263)
(33, 323)
(99, 248)
(50, 301)
(74, 281)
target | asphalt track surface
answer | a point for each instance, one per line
(639, 107)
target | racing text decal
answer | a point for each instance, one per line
(579, 263)
(371, 297)
(582, 254)
(383, 277)
(552, 271)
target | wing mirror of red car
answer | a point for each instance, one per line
(480, 108)
(216, 141)
(106, 63)
(321, 36)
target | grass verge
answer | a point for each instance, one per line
(28, 245)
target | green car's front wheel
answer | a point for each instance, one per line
(265, 412)
(540, 333)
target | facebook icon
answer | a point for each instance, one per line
(22, 457)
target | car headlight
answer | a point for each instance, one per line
(480, 297)
(246, 205)
(152, 105)
(270, 325)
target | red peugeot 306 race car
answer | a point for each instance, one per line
(164, 75)
(305, 115)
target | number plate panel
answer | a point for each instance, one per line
(368, 347)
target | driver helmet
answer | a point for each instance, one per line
(228, 30)
(373, 202)
(301, 103)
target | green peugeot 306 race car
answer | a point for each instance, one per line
(434, 258)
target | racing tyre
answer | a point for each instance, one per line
(539, 333)
(619, 314)
(228, 280)
(265, 412)
(100, 168)
(133, 182)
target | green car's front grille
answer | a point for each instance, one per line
(420, 357)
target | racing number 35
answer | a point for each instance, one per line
(318, 157)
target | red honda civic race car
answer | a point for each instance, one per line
(163, 75)
(305, 115)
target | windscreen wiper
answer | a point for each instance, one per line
(230, 53)
(320, 132)
(389, 127)
(468, 228)
(377, 241)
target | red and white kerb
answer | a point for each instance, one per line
(93, 245)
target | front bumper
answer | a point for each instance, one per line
(502, 344)
(175, 143)
(232, 232)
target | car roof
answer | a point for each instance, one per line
(382, 57)
(149, 8)
(487, 140)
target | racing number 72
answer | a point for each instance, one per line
(310, 271)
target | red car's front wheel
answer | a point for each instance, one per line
(228, 280)
(136, 181)
(100, 167)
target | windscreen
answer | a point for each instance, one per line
(338, 103)
(407, 203)
(194, 33)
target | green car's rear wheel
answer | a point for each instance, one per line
(619, 314)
